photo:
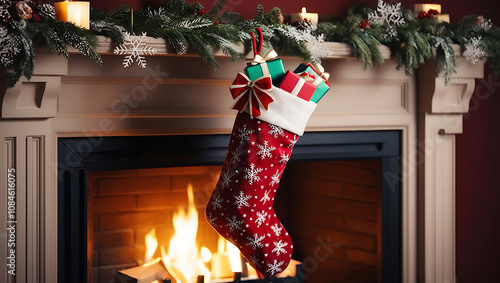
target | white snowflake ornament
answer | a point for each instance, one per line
(390, 13)
(473, 50)
(135, 48)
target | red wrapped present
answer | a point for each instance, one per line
(297, 86)
(320, 79)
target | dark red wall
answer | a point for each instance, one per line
(478, 148)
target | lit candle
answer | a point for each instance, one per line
(418, 8)
(75, 12)
(312, 17)
(426, 7)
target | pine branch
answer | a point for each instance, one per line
(287, 40)
(366, 48)
(260, 12)
(217, 7)
(445, 57)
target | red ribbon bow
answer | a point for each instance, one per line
(251, 94)
(307, 77)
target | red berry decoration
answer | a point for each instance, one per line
(201, 12)
(428, 15)
(364, 24)
(433, 12)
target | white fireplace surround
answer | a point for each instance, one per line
(181, 95)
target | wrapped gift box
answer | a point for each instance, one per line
(293, 84)
(275, 68)
(322, 86)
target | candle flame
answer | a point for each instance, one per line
(304, 10)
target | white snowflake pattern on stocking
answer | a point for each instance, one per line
(236, 156)
(275, 179)
(234, 223)
(274, 268)
(226, 178)
(216, 202)
(252, 174)
(265, 197)
(261, 218)
(284, 158)
(254, 260)
(244, 134)
(276, 131)
(265, 150)
(276, 229)
(242, 200)
(279, 247)
(256, 241)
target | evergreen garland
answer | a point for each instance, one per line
(412, 41)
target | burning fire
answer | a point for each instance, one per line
(151, 245)
(183, 260)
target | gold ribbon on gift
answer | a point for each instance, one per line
(257, 59)
(321, 71)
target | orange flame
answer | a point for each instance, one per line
(183, 260)
(151, 245)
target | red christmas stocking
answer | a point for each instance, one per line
(241, 206)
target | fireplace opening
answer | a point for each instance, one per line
(338, 199)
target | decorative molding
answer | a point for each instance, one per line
(441, 108)
(35, 206)
(36, 98)
(7, 161)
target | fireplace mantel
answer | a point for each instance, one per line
(178, 95)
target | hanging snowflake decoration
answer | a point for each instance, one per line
(390, 13)
(473, 50)
(316, 47)
(135, 48)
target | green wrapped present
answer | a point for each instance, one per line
(320, 79)
(273, 68)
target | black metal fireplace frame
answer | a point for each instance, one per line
(77, 156)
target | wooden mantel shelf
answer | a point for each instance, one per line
(338, 49)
